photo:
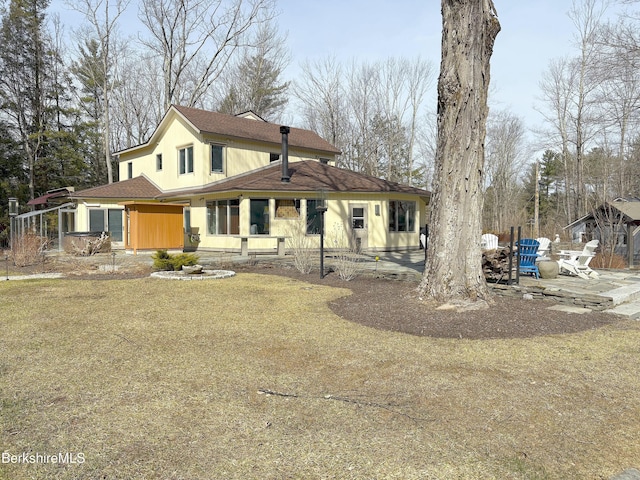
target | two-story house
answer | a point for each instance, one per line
(211, 181)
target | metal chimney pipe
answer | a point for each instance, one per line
(285, 154)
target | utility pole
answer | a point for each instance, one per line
(536, 207)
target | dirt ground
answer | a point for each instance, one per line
(394, 305)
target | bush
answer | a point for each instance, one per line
(347, 254)
(608, 260)
(27, 249)
(181, 259)
(163, 260)
(300, 245)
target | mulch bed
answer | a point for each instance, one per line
(394, 305)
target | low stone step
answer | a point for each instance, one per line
(620, 295)
(631, 310)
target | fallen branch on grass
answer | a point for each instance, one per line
(360, 403)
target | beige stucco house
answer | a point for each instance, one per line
(209, 181)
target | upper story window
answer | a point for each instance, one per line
(274, 157)
(217, 158)
(130, 170)
(159, 162)
(185, 160)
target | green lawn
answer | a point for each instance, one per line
(255, 377)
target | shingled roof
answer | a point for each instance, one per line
(135, 188)
(206, 122)
(305, 176)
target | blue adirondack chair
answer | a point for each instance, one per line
(528, 249)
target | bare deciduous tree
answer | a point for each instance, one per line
(372, 112)
(557, 87)
(254, 81)
(321, 94)
(196, 40)
(103, 17)
(504, 163)
(453, 271)
(586, 17)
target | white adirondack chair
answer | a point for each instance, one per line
(543, 249)
(574, 262)
(489, 241)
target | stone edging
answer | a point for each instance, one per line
(592, 302)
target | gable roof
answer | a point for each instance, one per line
(240, 127)
(305, 176)
(630, 210)
(138, 187)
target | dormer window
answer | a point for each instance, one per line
(185, 160)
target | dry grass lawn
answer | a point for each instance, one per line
(255, 378)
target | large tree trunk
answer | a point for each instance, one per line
(453, 272)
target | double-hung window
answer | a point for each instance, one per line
(402, 216)
(185, 160)
(217, 159)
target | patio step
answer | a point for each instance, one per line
(631, 310)
(620, 295)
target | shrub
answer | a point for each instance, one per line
(347, 254)
(27, 249)
(300, 245)
(181, 259)
(163, 260)
(608, 260)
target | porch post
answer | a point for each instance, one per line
(631, 233)
(60, 229)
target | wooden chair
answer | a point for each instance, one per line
(489, 241)
(528, 253)
(544, 248)
(575, 262)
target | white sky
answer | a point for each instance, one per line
(533, 32)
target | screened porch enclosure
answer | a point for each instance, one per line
(50, 225)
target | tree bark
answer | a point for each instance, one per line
(453, 271)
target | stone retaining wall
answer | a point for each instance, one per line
(592, 302)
